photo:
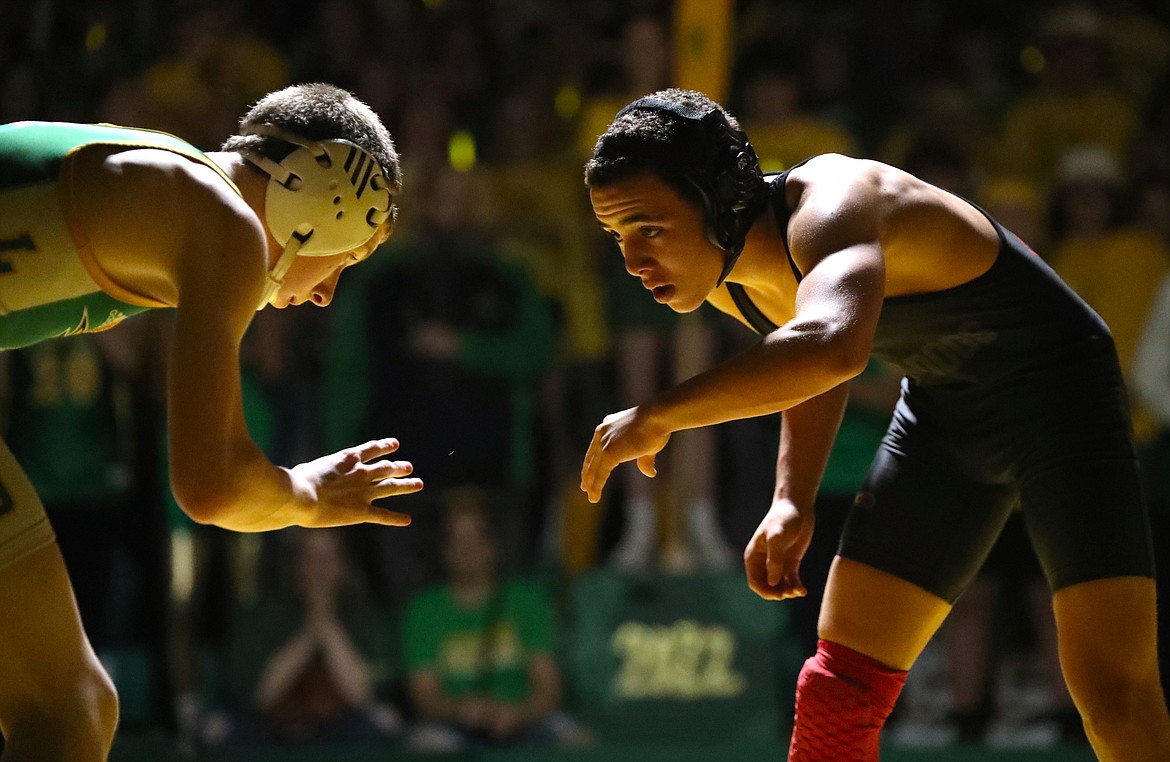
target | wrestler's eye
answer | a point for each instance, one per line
(649, 231)
(614, 235)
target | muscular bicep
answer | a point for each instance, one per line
(845, 290)
(836, 245)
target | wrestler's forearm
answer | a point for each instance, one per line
(790, 366)
(806, 439)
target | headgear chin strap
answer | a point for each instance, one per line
(327, 197)
(731, 185)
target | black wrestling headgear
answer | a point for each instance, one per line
(731, 185)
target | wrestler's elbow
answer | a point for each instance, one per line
(203, 501)
(845, 352)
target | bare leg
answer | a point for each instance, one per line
(873, 627)
(884, 617)
(1108, 651)
(56, 702)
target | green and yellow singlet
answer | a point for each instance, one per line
(50, 282)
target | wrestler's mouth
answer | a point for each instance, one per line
(662, 293)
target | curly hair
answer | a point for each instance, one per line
(691, 144)
(318, 111)
(656, 141)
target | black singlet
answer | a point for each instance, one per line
(1012, 397)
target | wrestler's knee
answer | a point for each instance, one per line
(102, 699)
(1116, 698)
(843, 698)
(849, 680)
(821, 691)
(73, 720)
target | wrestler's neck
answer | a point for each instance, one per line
(251, 181)
(764, 255)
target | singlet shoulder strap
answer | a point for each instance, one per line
(783, 213)
(751, 313)
(747, 307)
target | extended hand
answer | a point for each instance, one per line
(343, 486)
(773, 555)
(621, 437)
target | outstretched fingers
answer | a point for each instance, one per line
(392, 487)
(596, 469)
(389, 518)
(384, 478)
(388, 469)
(375, 449)
(363, 511)
(357, 512)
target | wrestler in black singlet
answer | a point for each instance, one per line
(1012, 398)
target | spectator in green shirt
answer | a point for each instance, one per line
(479, 649)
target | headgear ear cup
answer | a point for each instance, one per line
(730, 187)
(325, 198)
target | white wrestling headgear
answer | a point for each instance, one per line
(327, 197)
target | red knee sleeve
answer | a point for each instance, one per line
(843, 698)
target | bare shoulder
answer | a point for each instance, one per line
(837, 202)
(114, 167)
(155, 218)
(165, 184)
(929, 238)
(834, 184)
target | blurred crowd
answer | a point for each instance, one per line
(497, 327)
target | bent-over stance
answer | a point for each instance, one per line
(98, 223)
(1011, 400)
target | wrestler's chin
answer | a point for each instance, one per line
(680, 303)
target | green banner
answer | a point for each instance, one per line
(680, 659)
